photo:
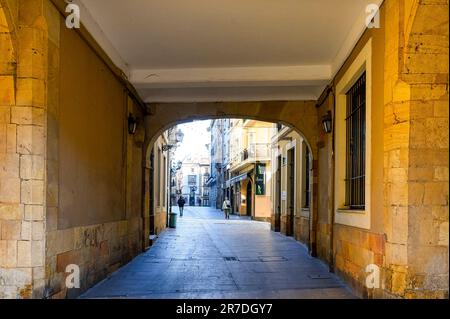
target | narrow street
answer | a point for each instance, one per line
(207, 256)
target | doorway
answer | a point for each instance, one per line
(249, 199)
(232, 200)
(277, 223)
(192, 197)
(291, 192)
(152, 194)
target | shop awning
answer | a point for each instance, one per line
(236, 179)
(210, 181)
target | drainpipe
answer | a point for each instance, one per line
(168, 189)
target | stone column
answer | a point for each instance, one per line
(12, 279)
(416, 148)
(425, 71)
(23, 156)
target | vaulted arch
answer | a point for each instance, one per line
(8, 55)
(302, 116)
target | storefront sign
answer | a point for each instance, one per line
(260, 179)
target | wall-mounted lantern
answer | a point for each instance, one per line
(179, 135)
(327, 122)
(132, 124)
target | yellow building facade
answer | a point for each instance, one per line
(291, 184)
(250, 168)
(159, 179)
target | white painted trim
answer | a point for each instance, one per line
(232, 77)
(305, 212)
(97, 33)
(363, 62)
(293, 145)
(232, 94)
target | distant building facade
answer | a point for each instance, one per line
(241, 166)
(249, 182)
(216, 155)
(191, 180)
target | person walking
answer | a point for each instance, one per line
(181, 203)
(226, 206)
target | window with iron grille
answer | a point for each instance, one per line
(307, 171)
(356, 145)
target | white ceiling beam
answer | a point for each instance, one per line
(231, 94)
(231, 76)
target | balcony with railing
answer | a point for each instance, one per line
(253, 153)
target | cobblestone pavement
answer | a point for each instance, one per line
(207, 256)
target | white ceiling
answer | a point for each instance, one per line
(208, 50)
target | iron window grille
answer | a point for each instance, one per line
(307, 179)
(356, 145)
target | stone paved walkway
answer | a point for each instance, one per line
(207, 256)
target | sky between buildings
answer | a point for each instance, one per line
(196, 136)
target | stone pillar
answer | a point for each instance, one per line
(396, 149)
(11, 210)
(425, 71)
(22, 182)
(416, 148)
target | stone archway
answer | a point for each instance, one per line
(10, 213)
(416, 110)
(8, 60)
(23, 99)
(302, 116)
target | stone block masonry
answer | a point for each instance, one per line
(34, 249)
(23, 73)
(98, 250)
(416, 151)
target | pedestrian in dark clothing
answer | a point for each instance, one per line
(181, 203)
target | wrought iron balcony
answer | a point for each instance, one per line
(254, 152)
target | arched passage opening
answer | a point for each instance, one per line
(249, 198)
(7, 42)
(300, 116)
(8, 61)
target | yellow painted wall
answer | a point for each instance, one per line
(94, 168)
(92, 132)
(160, 183)
(355, 248)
